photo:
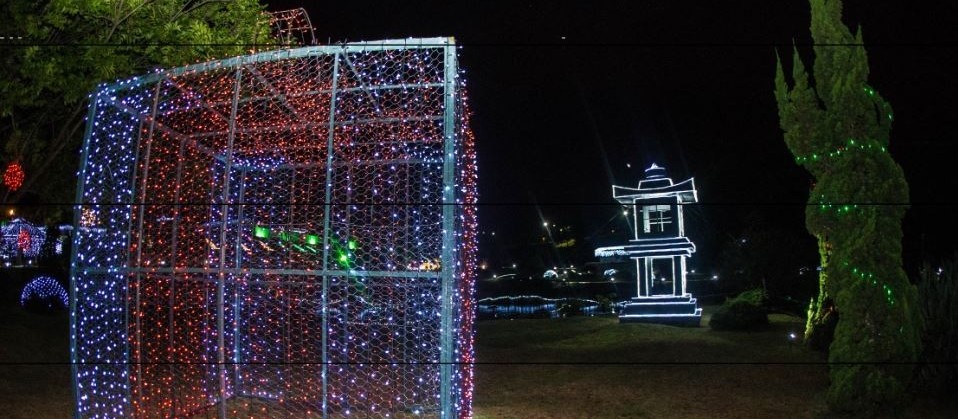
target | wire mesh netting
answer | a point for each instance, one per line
(287, 234)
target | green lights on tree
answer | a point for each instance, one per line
(869, 278)
(838, 129)
(839, 209)
(842, 151)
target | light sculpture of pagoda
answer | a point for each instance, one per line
(659, 248)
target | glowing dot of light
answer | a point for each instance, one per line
(13, 176)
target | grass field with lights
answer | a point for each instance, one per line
(595, 367)
(579, 367)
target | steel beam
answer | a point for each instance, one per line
(446, 354)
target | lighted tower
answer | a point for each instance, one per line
(659, 248)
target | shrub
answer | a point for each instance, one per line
(938, 300)
(744, 312)
(571, 307)
(606, 303)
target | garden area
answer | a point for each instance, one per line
(595, 367)
(571, 367)
(209, 211)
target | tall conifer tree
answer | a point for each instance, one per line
(838, 129)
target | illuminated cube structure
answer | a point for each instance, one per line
(659, 248)
(286, 234)
(19, 240)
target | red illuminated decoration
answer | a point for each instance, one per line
(23, 240)
(13, 176)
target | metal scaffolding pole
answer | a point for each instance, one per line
(446, 358)
(326, 227)
(220, 285)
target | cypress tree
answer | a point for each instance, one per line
(838, 130)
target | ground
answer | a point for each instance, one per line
(34, 364)
(537, 368)
(595, 367)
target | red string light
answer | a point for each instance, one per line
(23, 240)
(244, 196)
(13, 176)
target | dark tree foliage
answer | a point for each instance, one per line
(838, 130)
(938, 297)
(767, 257)
(61, 49)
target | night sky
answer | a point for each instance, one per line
(570, 97)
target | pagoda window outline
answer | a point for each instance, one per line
(656, 218)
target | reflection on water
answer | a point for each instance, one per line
(534, 306)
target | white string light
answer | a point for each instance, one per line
(290, 230)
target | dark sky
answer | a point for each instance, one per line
(568, 94)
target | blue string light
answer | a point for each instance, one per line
(42, 289)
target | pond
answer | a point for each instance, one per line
(533, 306)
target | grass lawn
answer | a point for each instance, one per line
(561, 368)
(653, 371)
(34, 364)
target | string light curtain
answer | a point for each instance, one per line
(44, 289)
(286, 234)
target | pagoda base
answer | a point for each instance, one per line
(679, 310)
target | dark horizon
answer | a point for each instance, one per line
(571, 97)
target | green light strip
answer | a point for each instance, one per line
(261, 232)
(870, 277)
(309, 243)
(843, 150)
(840, 209)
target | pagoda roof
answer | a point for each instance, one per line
(684, 191)
(669, 246)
